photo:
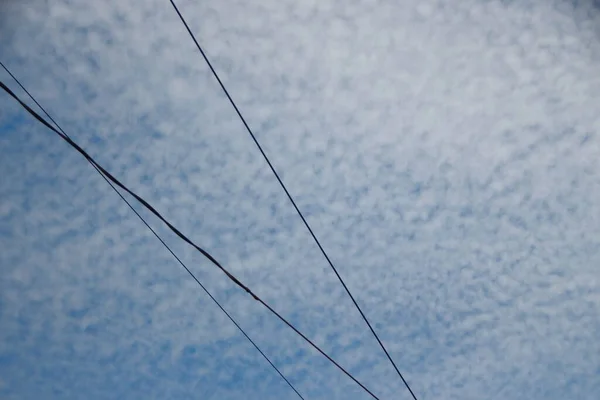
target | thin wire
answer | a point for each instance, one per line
(150, 208)
(161, 241)
(214, 72)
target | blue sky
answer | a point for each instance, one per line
(447, 155)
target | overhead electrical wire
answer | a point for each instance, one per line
(183, 237)
(364, 317)
(161, 240)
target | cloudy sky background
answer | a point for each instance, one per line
(446, 153)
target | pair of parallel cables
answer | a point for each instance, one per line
(112, 181)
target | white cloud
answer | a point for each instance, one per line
(446, 155)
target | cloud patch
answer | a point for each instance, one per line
(445, 154)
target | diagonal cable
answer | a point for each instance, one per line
(364, 317)
(160, 239)
(150, 208)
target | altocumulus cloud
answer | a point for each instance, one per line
(445, 152)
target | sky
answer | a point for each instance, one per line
(445, 153)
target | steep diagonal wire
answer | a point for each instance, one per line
(183, 237)
(161, 241)
(364, 317)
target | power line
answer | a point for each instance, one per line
(161, 240)
(364, 317)
(150, 208)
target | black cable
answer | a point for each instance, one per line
(214, 72)
(161, 241)
(183, 237)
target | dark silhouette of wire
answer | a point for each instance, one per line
(150, 208)
(364, 317)
(160, 239)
